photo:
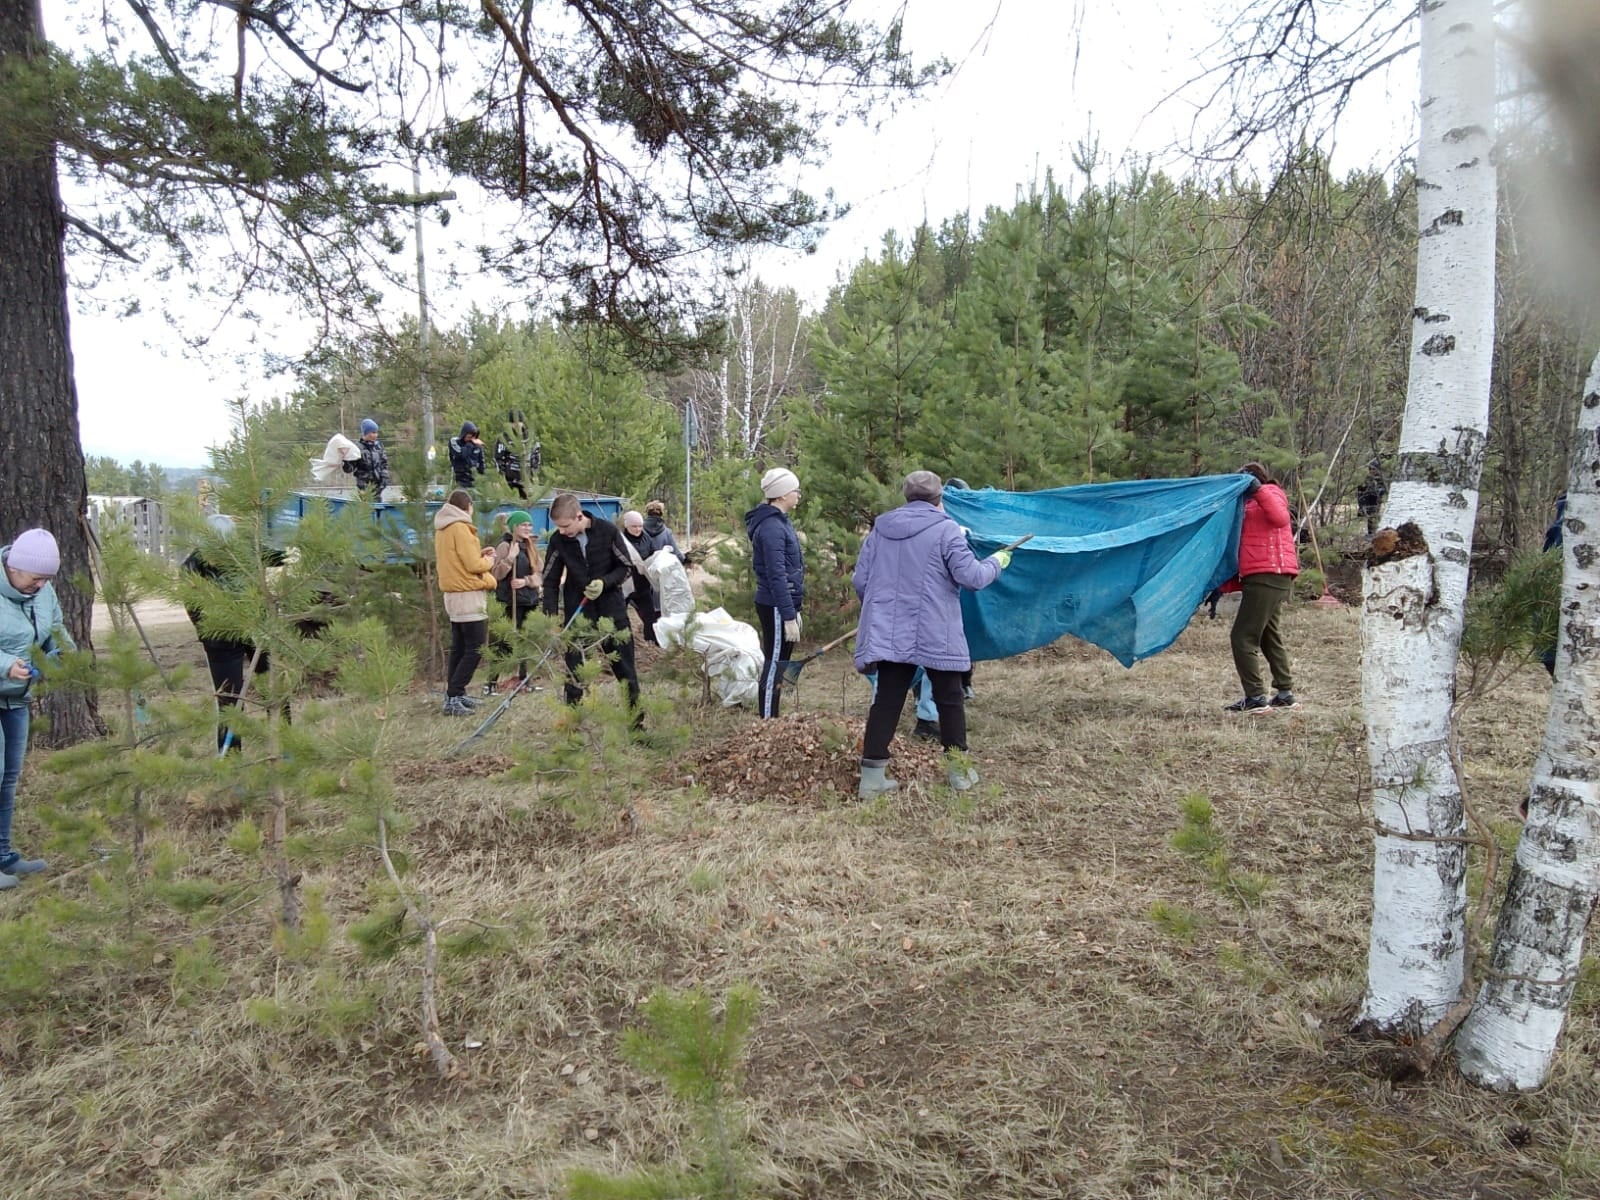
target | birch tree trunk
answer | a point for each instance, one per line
(1413, 602)
(1509, 1039)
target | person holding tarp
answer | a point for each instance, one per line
(1267, 567)
(780, 573)
(586, 565)
(913, 567)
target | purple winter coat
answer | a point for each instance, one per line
(912, 568)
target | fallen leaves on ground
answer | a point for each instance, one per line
(799, 758)
(479, 765)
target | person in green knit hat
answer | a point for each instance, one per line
(516, 570)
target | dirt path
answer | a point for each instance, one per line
(151, 614)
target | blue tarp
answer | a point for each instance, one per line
(1122, 565)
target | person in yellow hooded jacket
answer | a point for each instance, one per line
(466, 579)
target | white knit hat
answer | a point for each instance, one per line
(779, 481)
(35, 552)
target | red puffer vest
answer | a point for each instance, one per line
(1266, 540)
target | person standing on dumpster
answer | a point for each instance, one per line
(913, 567)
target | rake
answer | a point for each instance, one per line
(790, 668)
(523, 684)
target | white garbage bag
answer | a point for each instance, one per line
(671, 581)
(329, 469)
(730, 651)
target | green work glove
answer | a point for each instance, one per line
(1003, 557)
(593, 589)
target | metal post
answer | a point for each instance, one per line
(425, 387)
(691, 433)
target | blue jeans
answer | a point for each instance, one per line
(927, 710)
(13, 745)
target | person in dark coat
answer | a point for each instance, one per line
(516, 571)
(372, 468)
(643, 600)
(655, 524)
(910, 575)
(466, 457)
(586, 566)
(1370, 495)
(508, 451)
(780, 579)
(1553, 537)
(227, 657)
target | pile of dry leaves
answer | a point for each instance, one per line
(473, 766)
(799, 759)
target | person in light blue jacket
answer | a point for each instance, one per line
(912, 568)
(30, 616)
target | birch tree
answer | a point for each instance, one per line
(1414, 595)
(1509, 1039)
(763, 361)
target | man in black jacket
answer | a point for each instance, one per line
(510, 450)
(587, 565)
(466, 456)
(226, 657)
(372, 468)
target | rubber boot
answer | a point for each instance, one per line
(962, 778)
(874, 781)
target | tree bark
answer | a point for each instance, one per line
(42, 483)
(1509, 1039)
(1413, 605)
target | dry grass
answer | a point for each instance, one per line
(1025, 992)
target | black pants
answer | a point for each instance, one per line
(894, 681)
(619, 654)
(517, 613)
(466, 651)
(227, 662)
(643, 602)
(775, 651)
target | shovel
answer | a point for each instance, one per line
(527, 682)
(1027, 537)
(791, 667)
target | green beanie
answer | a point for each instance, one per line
(517, 517)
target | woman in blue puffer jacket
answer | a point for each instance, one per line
(30, 616)
(780, 571)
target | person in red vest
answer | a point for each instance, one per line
(1267, 567)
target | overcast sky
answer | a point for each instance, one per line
(1035, 80)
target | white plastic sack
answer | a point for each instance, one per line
(329, 469)
(730, 650)
(671, 582)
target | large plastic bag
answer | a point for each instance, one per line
(671, 581)
(329, 470)
(730, 651)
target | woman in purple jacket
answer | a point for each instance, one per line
(912, 568)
